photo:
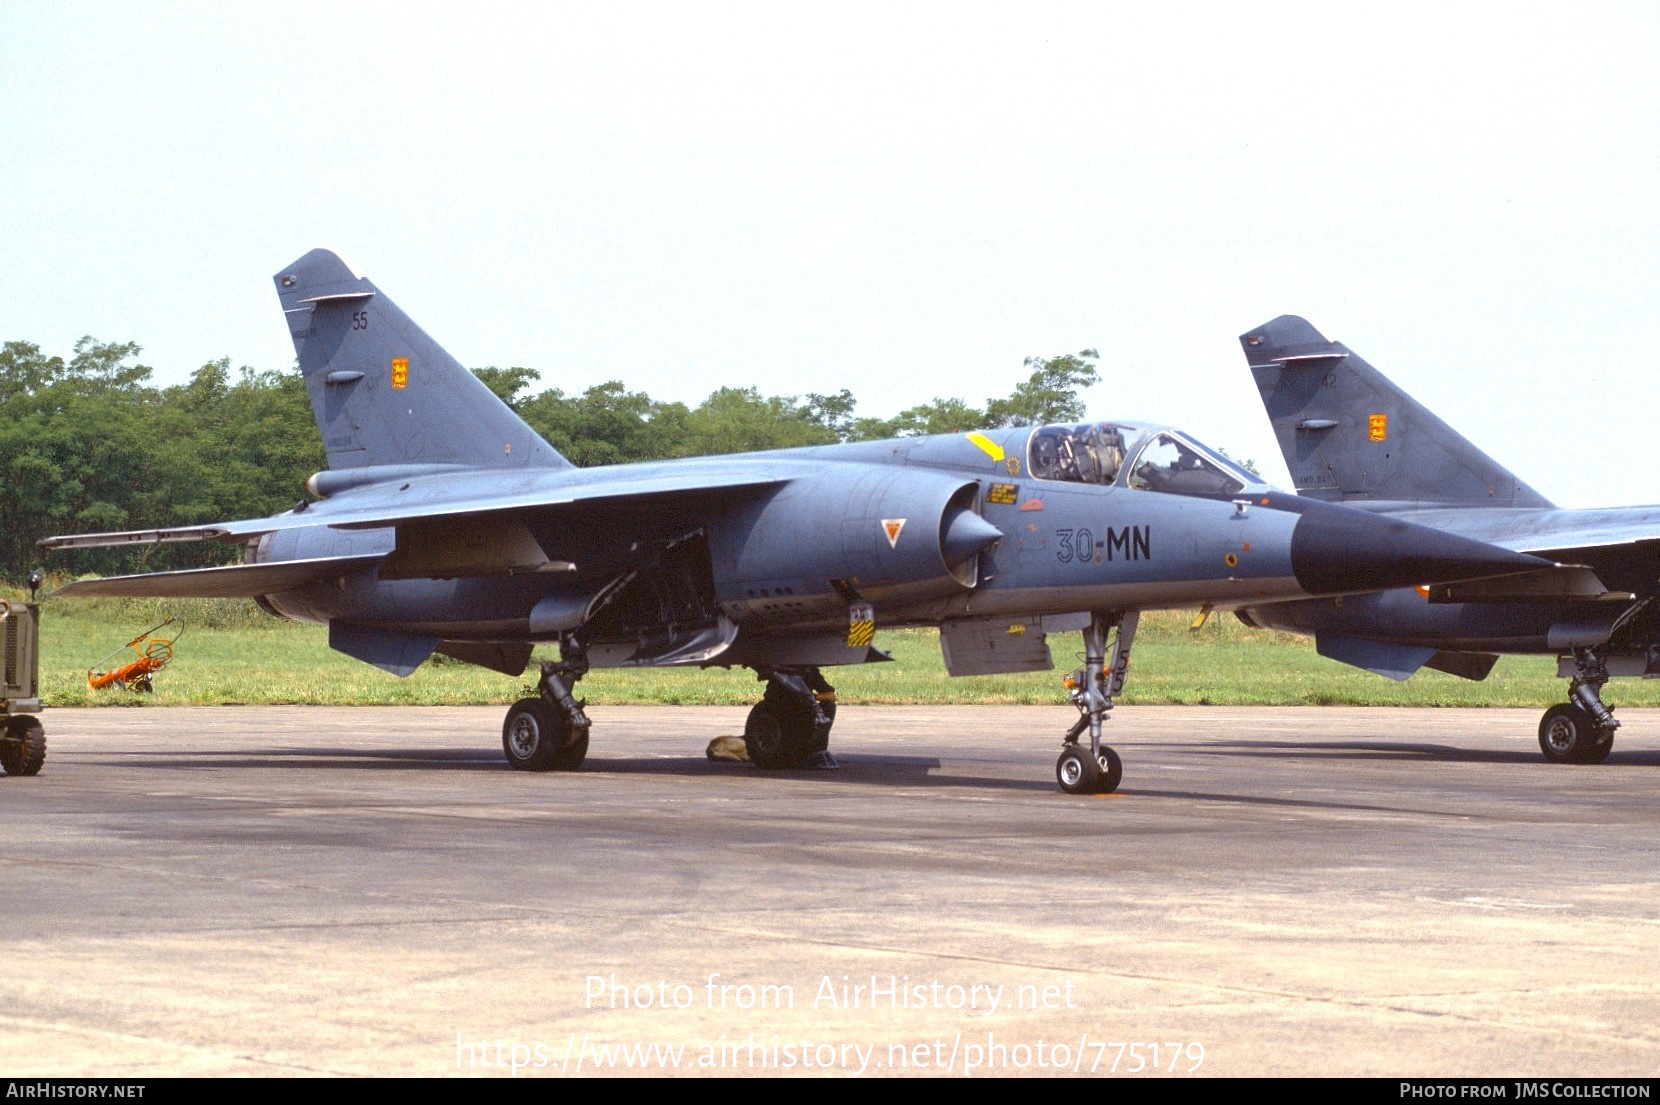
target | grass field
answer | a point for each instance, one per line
(233, 653)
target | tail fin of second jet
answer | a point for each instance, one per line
(1347, 433)
(383, 392)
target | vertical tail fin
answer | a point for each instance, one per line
(1348, 433)
(383, 392)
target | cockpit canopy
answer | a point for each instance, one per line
(1160, 460)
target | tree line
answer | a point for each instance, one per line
(91, 443)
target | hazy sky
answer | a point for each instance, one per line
(902, 201)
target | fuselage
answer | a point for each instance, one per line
(752, 547)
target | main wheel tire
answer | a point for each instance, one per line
(23, 750)
(1077, 771)
(778, 738)
(570, 757)
(1598, 753)
(1112, 771)
(535, 736)
(1568, 735)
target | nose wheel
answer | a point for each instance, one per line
(1078, 772)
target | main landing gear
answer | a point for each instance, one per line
(1580, 730)
(550, 732)
(1097, 768)
(790, 726)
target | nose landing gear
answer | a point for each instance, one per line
(1097, 768)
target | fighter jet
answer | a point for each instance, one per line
(1351, 436)
(443, 523)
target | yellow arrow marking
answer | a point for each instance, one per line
(987, 445)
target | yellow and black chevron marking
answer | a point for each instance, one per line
(861, 627)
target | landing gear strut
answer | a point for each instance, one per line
(1096, 769)
(1581, 730)
(790, 726)
(550, 732)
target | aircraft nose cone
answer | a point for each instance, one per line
(966, 534)
(1336, 549)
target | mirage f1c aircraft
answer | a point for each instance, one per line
(1351, 436)
(443, 523)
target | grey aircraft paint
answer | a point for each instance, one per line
(1351, 436)
(445, 524)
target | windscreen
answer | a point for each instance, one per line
(1176, 466)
